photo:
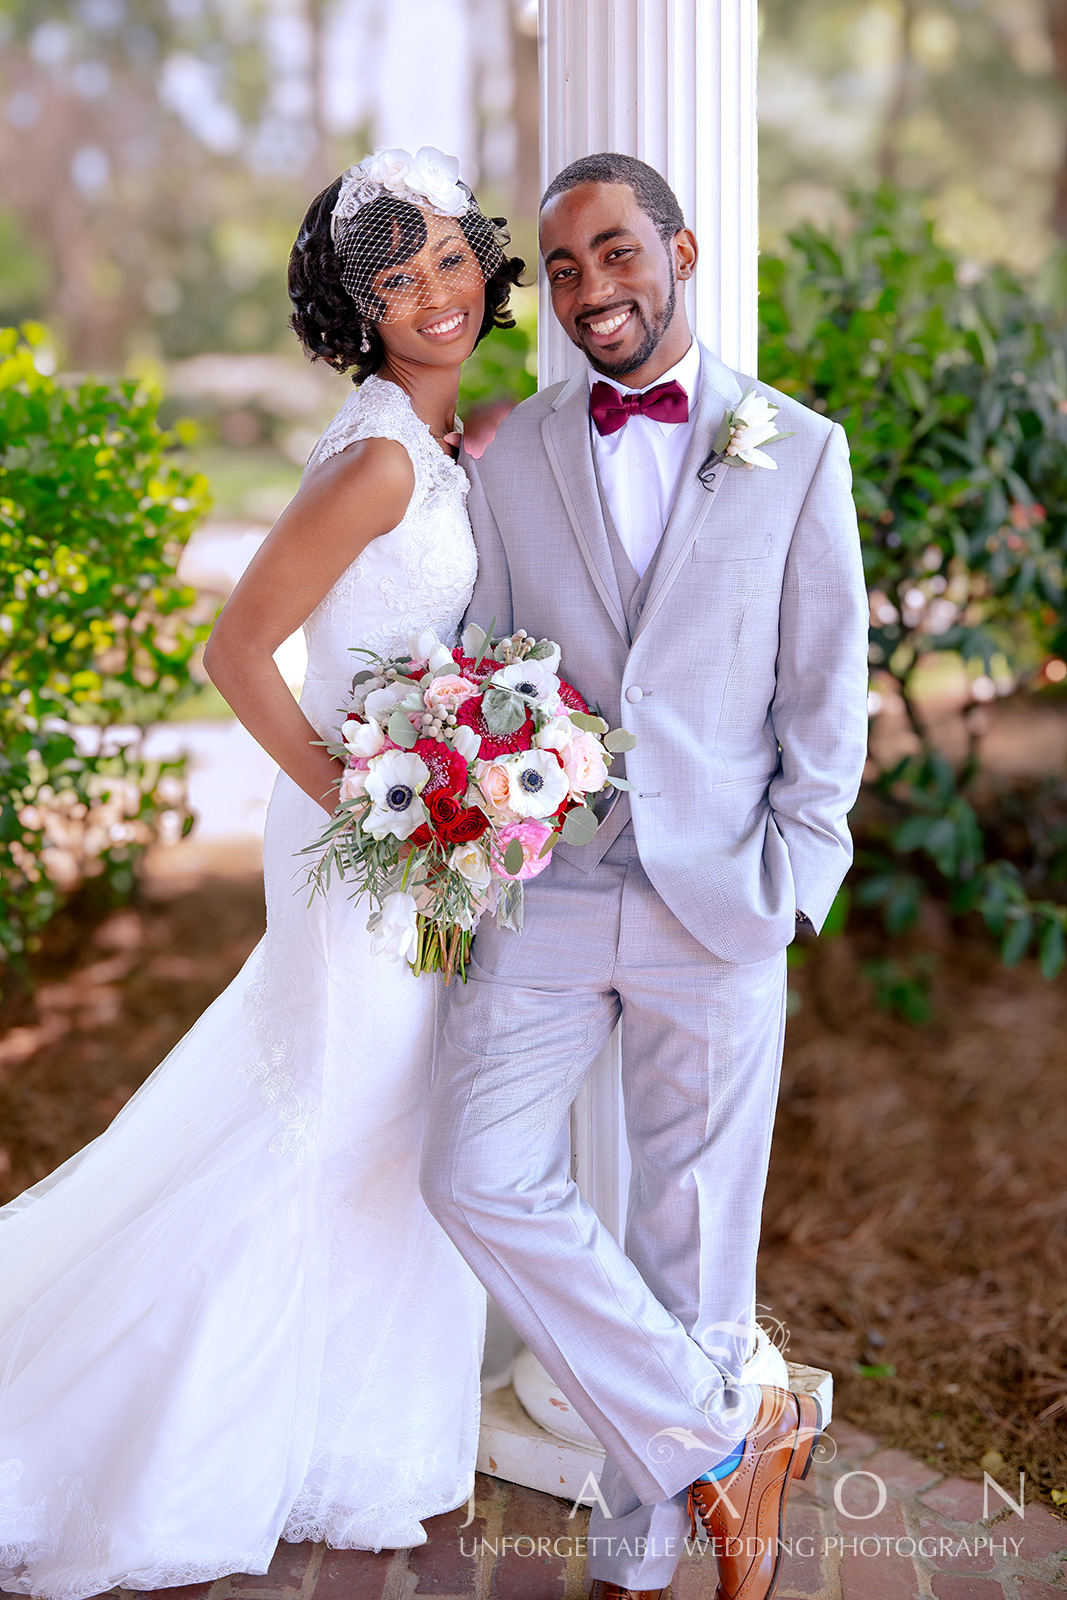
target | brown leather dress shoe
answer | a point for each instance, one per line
(744, 1513)
(611, 1591)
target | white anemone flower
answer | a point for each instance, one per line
(395, 931)
(753, 424)
(537, 784)
(393, 784)
(530, 678)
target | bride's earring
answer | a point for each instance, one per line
(364, 343)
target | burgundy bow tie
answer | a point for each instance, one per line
(610, 410)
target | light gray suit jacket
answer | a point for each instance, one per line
(750, 652)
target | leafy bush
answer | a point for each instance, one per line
(504, 365)
(952, 388)
(94, 512)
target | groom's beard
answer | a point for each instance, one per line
(652, 334)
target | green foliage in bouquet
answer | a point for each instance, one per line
(94, 511)
(952, 388)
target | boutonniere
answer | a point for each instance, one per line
(741, 433)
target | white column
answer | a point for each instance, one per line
(674, 83)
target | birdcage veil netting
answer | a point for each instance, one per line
(409, 234)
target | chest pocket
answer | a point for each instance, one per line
(749, 544)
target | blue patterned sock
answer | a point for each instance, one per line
(724, 1468)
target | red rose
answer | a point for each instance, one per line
(469, 715)
(469, 824)
(448, 770)
(442, 808)
(422, 836)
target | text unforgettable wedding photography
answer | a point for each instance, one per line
(533, 799)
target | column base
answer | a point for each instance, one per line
(514, 1447)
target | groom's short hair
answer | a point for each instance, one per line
(652, 192)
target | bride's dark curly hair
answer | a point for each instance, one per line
(327, 320)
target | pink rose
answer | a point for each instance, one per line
(451, 690)
(584, 764)
(531, 836)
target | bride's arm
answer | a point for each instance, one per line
(341, 505)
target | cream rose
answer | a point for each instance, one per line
(584, 764)
(494, 784)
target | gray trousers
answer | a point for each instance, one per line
(648, 1345)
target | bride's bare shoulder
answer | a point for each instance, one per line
(367, 473)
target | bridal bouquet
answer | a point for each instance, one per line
(462, 769)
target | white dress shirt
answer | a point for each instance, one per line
(640, 465)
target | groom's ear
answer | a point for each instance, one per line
(684, 252)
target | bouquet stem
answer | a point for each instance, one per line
(442, 948)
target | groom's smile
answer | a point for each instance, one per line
(613, 279)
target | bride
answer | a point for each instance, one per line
(231, 1319)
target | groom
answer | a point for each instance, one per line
(719, 613)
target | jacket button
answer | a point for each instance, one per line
(634, 694)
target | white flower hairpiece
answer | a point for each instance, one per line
(429, 179)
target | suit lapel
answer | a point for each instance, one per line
(719, 390)
(566, 435)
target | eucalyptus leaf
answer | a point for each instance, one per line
(400, 730)
(579, 826)
(588, 723)
(621, 783)
(618, 740)
(362, 677)
(541, 651)
(513, 857)
(548, 844)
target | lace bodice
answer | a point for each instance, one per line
(420, 575)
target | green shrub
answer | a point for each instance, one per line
(94, 511)
(952, 388)
(504, 365)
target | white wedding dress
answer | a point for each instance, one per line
(231, 1318)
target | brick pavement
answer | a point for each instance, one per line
(925, 1538)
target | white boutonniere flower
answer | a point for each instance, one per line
(743, 430)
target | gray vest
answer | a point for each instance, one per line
(633, 592)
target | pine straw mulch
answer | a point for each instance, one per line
(916, 1211)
